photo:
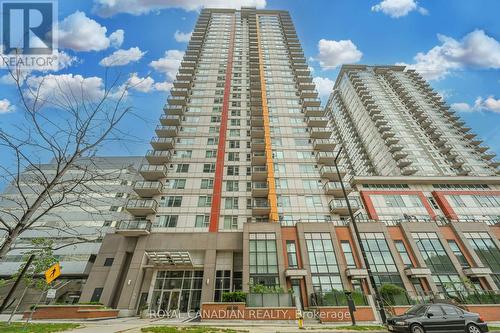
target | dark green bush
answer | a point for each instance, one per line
(235, 296)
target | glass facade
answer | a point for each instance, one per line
(263, 259)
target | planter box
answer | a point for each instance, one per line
(71, 312)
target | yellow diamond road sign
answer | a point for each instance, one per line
(52, 273)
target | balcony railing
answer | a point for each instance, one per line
(133, 227)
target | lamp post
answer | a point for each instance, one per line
(378, 299)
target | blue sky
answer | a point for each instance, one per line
(453, 43)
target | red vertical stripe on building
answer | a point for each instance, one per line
(221, 149)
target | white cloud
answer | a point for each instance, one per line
(474, 50)
(163, 86)
(55, 88)
(142, 84)
(80, 33)
(116, 38)
(490, 104)
(122, 57)
(398, 8)
(111, 7)
(332, 53)
(169, 63)
(6, 106)
(461, 107)
(65, 60)
(324, 86)
(182, 37)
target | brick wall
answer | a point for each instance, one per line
(71, 312)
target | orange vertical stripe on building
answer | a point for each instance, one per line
(271, 183)
(221, 148)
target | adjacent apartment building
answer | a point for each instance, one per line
(77, 229)
(241, 186)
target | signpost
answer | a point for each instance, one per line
(52, 273)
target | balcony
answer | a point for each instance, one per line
(339, 206)
(395, 148)
(384, 128)
(258, 144)
(457, 162)
(407, 171)
(259, 173)
(177, 100)
(470, 135)
(399, 155)
(176, 110)
(133, 228)
(404, 162)
(153, 172)
(162, 143)
(258, 158)
(158, 156)
(184, 77)
(148, 188)
(304, 78)
(182, 84)
(257, 121)
(445, 148)
(260, 189)
(170, 120)
(387, 134)
(183, 92)
(326, 157)
(330, 173)
(141, 207)
(324, 145)
(311, 102)
(335, 189)
(257, 132)
(306, 86)
(320, 132)
(260, 207)
(308, 94)
(482, 148)
(313, 111)
(317, 121)
(488, 155)
(166, 131)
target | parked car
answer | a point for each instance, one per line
(428, 318)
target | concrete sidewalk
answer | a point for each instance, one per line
(134, 325)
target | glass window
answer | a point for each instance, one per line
(380, 259)
(263, 259)
(322, 261)
(166, 221)
(444, 273)
(403, 253)
(348, 254)
(171, 201)
(291, 252)
(222, 284)
(202, 221)
(205, 201)
(458, 253)
(230, 222)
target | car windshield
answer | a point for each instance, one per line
(417, 309)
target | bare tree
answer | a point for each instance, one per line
(64, 122)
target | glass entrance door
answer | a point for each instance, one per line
(174, 300)
(177, 291)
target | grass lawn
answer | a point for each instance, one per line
(189, 329)
(35, 327)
